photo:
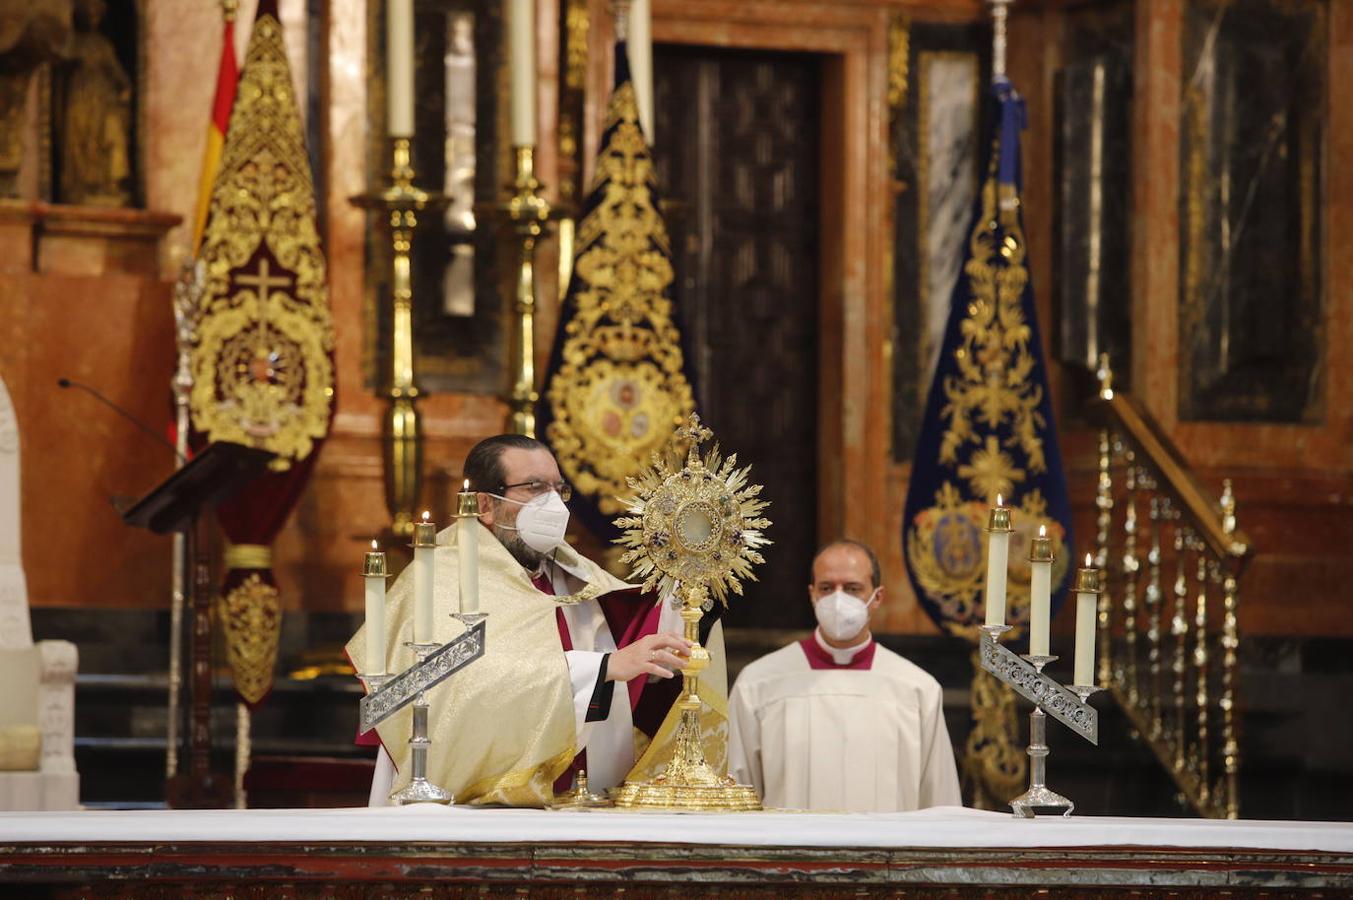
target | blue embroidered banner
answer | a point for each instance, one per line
(988, 428)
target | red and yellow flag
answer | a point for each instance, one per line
(227, 76)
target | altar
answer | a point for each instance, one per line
(497, 852)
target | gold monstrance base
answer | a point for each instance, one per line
(689, 782)
(692, 529)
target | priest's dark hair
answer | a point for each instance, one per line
(484, 463)
(875, 573)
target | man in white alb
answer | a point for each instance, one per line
(835, 721)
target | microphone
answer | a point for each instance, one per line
(67, 383)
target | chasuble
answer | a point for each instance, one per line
(866, 735)
(509, 727)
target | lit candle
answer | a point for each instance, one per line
(399, 66)
(424, 548)
(521, 26)
(1040, 592)
(1087, 593)
(640, 44)
(998, 561)
(467, 545)
(373, 570)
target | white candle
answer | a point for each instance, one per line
(998, 562)
(467, 545)
(399, 66)
(374, 572)
(1040, 592)
(640, 43)
(424, 548)
(521, 29)
(1087, 597)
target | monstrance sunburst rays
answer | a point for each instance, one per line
(697, 524)
(693, 530)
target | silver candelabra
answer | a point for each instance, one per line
(1066, 704)
(391, 693)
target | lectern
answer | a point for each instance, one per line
(213, 475)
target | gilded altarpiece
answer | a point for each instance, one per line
(1253, 112)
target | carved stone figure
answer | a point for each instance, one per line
(32, 33)
(96, 119)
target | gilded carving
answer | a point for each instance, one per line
(577, 22)
(899, 60)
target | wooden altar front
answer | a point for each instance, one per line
(402, 852)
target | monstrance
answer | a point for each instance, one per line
(693, 531)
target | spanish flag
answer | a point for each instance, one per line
(227, 75)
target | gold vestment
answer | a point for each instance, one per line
(502, 729)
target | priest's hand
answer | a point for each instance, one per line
(652, 654)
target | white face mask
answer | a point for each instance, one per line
(841, 615)
(541, 521)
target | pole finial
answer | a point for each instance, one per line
(621, 9)
(999, 11)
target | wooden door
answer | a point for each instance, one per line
(737, 136)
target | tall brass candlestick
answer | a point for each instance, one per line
(402, 431)
(527, 211)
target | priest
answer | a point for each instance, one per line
(516, 725)
(835, 721)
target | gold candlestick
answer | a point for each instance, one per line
(1087, 581)
(528, 212)
(402, 432)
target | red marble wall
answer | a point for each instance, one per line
(82, 299)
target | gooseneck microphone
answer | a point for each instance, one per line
(67, 383)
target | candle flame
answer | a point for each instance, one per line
(425, 515)
(1042, 531)
(373, 545)
(1087, 561)
(467, 485)
(999, 502)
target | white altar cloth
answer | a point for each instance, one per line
(945, 827)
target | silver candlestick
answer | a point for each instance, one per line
(389, 694)
(420, 790)
(1067, 705)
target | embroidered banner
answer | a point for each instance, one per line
(616, 385)
(988, 428)
(262, 363)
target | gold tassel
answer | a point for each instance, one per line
(252, 616)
